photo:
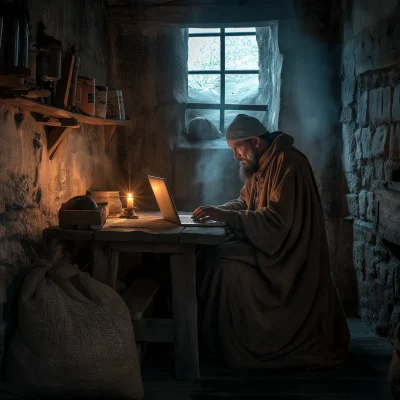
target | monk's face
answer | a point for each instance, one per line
(246, 152)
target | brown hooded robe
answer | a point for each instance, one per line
(266, 297)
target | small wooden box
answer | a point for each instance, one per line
(81, 219)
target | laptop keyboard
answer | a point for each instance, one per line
(187, 219)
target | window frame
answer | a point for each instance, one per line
(222, 106)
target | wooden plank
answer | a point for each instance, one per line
(55, 121)
(32, 106)
(101, 262)
(139, 295)
(146, 229)
(86, 119)
(203, 15)
(203, 235)
(145, 235)
(152, 247)
(55, 232)
(183, 278)
(64, 84)
(154, 330)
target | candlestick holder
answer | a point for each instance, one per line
(129, 213)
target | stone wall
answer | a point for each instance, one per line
(150, 64)
(371, 149)
(32, 187)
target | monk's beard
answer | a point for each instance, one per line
(248, 169)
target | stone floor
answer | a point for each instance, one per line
(364, 376)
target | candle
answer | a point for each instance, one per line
(129, 201)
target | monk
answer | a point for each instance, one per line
(267, 298)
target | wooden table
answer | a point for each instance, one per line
(151, 233)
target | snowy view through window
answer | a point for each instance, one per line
(223, 74)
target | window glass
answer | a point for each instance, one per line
(204, 30)
(241, 52)
(231, 30)
(204, 88)
(242, 89)
(204, 54)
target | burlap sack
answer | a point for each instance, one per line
(74, 339)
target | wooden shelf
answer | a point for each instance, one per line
(59, 130)
(51, 111)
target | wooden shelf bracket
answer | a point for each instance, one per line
(55, 136)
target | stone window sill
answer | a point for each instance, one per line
(203, 145)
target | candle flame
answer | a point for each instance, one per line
(130, 196)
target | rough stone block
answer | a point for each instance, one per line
(395, 143)
(352, 204)
(382, 270)
(362, 109)
(370, 206)
(367, 172)
(362, 197)
(346, 115)
(348, 91)
(2, 207)
(370, 262)
(388, 170)
(348, 59)
(396, 104)
(349, 160)
(380, 142)
(379, 169)
(359, 258)
(366, 142)
(353, 182)
(375, 107)
(363, 52)
(358, 144)
(387, 104)
(2, 232)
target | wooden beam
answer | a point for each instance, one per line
(183, 278)
(188, 15)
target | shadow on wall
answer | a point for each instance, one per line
(205, 174)
(310, 112)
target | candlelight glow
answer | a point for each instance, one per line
(129, 201)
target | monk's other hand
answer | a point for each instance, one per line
(209, 213)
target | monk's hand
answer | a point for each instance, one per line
(209, 213)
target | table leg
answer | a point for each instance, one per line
(184, 303)
(101, 262)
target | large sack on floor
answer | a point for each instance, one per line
(74, 338)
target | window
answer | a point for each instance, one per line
(223, 81)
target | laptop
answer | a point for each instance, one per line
(167, 206)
